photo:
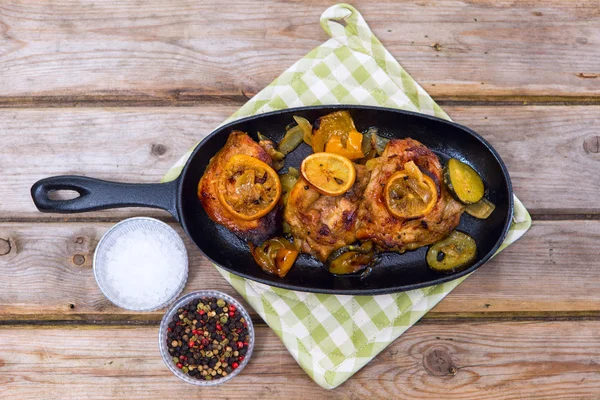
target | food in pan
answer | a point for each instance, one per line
(415, 211)
(463, 182)
(482, 209)
(335, 133)
(321, 223)
(357, 195)
(452, 253)
(351, 259)
(275, 256)
(239, 194)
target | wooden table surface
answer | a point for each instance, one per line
(120, 89)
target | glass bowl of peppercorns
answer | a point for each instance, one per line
(206, 338)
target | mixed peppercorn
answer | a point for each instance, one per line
(208, 338)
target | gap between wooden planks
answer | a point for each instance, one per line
(550, 273)
(455, 49)
(470, 360)
(552, 152)
(126, 101)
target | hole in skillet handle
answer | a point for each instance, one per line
(63, 194)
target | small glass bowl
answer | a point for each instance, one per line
(123, 228)
(162, 337)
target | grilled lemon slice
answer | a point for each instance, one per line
(409, 193)
(248, 187)
(328, 173)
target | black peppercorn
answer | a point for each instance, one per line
(440, 256)
(205, 337)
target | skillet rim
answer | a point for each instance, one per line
(354, 292)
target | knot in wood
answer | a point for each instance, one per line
(159, 149)
(5, 247)
(78, 259)
(581, 40)
(81, 242)
(592, 145)
(439, 363)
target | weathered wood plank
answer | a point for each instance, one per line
(47, 274)
(488, 50)
(535, 360)
(553, 269)
(551, 151)
(130, 145)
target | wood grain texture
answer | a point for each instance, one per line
(551, 151)
(135, 51)
(534, 360)
(129, 145)
(47, 275)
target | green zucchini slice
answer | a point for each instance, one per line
(453, 254)
(463, 182)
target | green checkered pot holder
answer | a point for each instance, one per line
(330, 336)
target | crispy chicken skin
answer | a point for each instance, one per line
(389, 233)
(255, 231)
(322, 223)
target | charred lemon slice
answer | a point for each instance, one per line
(328, 173)
(248, 188)
(409, 193)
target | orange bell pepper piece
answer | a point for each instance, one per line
(284, 260)
(353, 149)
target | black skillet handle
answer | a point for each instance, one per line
(96, 194)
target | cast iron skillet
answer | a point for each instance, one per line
(394, 272)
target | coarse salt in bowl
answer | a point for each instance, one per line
(141, 264)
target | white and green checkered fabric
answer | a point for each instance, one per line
(330, 336)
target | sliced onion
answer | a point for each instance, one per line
(380, 143)
(288, 181)
(351, 259)
(482, 209)
(292, 139)
(306, 129)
